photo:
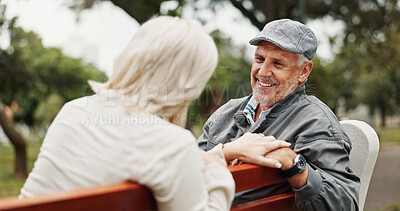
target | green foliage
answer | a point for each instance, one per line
(370, 75)
(381, 69)
(395, 207)
(387, 134)
(30, 73)
(47, 110)
(325, 81)
(233, 71)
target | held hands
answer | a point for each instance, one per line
(285, 156)
(265, 151)
(252, 148)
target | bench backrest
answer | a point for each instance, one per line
(130, 196)
(365, 144)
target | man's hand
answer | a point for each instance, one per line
(286, 157)
(252, 148)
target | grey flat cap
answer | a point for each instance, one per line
(289, 35)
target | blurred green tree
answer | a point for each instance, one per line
(33, 77)
(374, 70)
(48, 70)
(6, 120)
(326, 82)
(47, 109)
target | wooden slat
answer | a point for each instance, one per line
(281, 202)
(124, 196)
(248, 176)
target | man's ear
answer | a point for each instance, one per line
(305, 72)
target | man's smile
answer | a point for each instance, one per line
(265, 83)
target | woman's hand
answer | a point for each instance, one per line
(210, 158)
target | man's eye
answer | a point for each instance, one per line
(278, 63)
(259, 59)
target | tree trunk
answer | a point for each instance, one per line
(270, 9)
(383, 116)
(140, 10)
(17, 141)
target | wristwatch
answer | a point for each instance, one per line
(300, 165)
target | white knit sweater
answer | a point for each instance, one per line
(93, 141)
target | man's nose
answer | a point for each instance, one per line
(265, 70)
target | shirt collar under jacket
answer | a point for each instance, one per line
(250, 111)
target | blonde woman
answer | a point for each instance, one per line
(132, 128)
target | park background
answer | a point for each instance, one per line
(49, 49)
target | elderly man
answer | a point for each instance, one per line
(316, 165)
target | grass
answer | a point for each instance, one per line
(8, 185)
(388, 134)
(393, 208)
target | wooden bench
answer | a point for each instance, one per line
(130, 196)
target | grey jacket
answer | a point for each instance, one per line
(314, 132)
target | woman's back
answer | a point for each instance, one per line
(93, 141)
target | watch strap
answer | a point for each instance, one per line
(290, 172)
(300, 164)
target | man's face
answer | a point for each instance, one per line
(274, 74)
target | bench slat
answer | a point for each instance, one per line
(281, 202)
(123, 196)
(248, 176)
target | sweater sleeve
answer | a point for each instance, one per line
(184, 182)
(220, 187)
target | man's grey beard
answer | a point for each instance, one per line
(269, 103)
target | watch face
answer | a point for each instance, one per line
(301, 163)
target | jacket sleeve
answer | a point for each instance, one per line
(203, 139)
(218, 124)
(331, 185)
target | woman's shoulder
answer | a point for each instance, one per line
(172, 130)
(82, 101)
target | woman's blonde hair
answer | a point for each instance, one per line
(163, 69)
